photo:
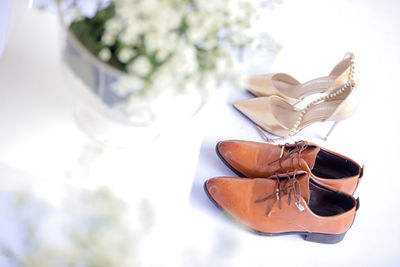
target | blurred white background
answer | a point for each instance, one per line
(42, 149)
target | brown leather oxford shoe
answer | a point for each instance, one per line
(260, 160)
(285, 204)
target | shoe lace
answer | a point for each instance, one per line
(290, 186)
(294, 152)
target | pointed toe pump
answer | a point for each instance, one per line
(288, 88)
(278, 117)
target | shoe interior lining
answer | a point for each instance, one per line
(327, 202)
(331, 166)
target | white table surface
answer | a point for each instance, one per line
(41, 144)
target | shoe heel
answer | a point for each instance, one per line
(331, 130)
(324, 238)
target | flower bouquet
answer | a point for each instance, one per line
(149, 62)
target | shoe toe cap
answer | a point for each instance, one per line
(237, 155)
(227, 193)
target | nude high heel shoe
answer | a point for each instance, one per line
(280, 118)
(288, 88)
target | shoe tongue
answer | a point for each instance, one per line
(310, 154)
(304, 180)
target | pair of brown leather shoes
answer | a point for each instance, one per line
(295, 189)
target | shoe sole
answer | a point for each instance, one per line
(312, 237)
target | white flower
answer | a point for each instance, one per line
(163, 78)
(114, 26)
(108, 39)
(140, 66)
(154, 42)
(105, 54)
(126, 54)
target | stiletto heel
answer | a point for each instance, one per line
(288, 88)
(331, 129)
